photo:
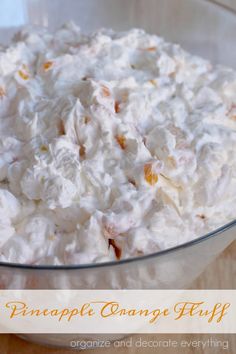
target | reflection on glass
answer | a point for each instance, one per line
(12, 13)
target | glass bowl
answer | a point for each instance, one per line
(202, 27)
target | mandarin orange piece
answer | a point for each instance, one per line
(151, 49)
(61, 128)
(82, 151)
(105, 91)
(153, 82)
(47, 65)
(117, 107)
(121, 140)
(87, 119)
(117, 249)
(150, 176)
(43, 148)
(2, 92)
(23, 75)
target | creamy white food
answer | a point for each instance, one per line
(112, 145)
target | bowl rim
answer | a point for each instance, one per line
(146, 257)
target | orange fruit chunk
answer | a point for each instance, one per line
(150, 176)
(47, 65)
(121, 140)
(23, 75)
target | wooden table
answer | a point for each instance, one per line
(219, 275)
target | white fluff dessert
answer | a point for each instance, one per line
(112, 145)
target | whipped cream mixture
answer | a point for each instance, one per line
(112, 145)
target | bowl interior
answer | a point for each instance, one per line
(200, 26)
